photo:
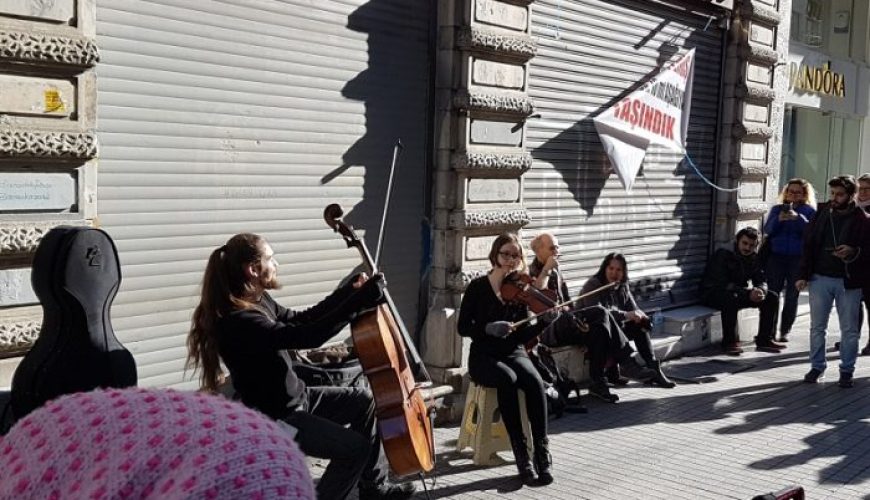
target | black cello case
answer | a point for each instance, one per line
(75, 275)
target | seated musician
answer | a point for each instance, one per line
(622, 306)
(603, 339)
(239, 323)
(498, 357)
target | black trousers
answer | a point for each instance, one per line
(640, 336)
(729, 302)
(354, 452)
(507, 374)
(604, 339)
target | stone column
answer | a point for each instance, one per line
(47, 147)
(484, 47)
(751, 123)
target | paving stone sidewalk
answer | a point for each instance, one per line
(750, 427)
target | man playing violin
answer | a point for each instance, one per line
(239, 323)
(592, 327)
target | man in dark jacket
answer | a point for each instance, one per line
(835, 270)
(734, 280)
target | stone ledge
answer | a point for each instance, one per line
(19, 328)
(43, 49)
(754, 92)
(24, 237)
(759, 53)
(510, 104)
(478, 39)
(459, 280)
(753, 169)
(48, 145)
(747, 210)
(492, 164)
(495, 220)
(761, 13)
(755, 133)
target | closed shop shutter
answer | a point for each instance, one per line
(591, 53)
(219, 117)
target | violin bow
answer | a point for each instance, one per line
(612, 284)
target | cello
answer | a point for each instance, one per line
(403, 418)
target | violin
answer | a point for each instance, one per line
(517, 287)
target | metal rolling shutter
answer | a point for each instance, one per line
(590, 53)
(218, 117)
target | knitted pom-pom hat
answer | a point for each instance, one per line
(150, 443)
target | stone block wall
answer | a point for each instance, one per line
(484, 49)
(48, 147)
(752, 114)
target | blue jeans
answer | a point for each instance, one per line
(824, 292)
(782, 272)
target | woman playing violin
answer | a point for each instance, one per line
(498, 359)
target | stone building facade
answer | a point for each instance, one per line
(48, 147)
(485, 50)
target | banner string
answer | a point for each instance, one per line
(708, 181)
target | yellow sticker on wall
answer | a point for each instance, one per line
(53, 101)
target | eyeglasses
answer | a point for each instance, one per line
(510, 256)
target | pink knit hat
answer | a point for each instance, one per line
(150, 443)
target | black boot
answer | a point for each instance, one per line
(524, 463)
(659, 378)
(543, 461)
(614, 377)
(633, 369)
(600, 390)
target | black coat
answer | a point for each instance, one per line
(729, 271)
(858, 237)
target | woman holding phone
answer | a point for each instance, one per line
(784, 232)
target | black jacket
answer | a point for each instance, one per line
(480, 306)
(619, 300)
(252, 344)
(729, 271)
(856, 237)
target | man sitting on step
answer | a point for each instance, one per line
(734, 280)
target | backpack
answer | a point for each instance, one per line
(557, 386)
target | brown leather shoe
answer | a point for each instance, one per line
(733, 349)
(778, 345)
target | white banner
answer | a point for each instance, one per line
(656, 113)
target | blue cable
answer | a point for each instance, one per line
(709, 183)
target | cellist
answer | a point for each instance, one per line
(239, 323)
(498, 358)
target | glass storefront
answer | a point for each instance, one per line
(818, 145)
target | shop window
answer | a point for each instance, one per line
(806, 22)
(818, 145)
(825, 25)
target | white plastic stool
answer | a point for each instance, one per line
(482, 428)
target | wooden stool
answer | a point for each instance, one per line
(482, 428)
